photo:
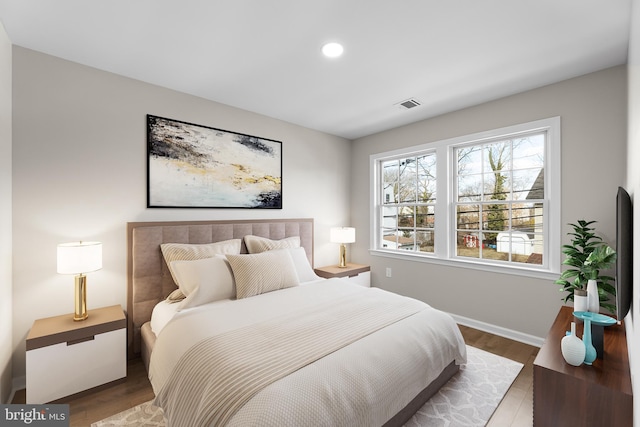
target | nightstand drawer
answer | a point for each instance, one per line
(362, 279)
(63, 369)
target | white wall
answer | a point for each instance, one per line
(5, 217)
(79, 172)
(633, 187)
(593, 112)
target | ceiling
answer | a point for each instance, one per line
(265, 56)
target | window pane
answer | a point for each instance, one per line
(495, 218)
(528, 152)
(528, 184)
(497, 186)
(523, 218)
(537, 255)
(425, 217)
(408, 226)
(406, 217)
(468, 217)
(497, 156)
(407, 188)
(469, 160)
(468, 244)
(424, 241)
(518, 244)
(390, 171)
(389, 217)
(469, 188)
(427, 178)
(490, 252)
(536, 211)
(406, 240)
(389, 239)
(390, 181)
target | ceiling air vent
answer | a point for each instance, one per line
(409, 103)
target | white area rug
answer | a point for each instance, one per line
(468, 399)
(471, 397)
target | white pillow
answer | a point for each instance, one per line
(301, 262)
(256, 274)
(257, 244)
(162, 313)
(204, 280)
(189, 252)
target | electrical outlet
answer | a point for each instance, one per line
(388, 272)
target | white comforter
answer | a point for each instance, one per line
(364, 383)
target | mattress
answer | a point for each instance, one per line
(365, 381)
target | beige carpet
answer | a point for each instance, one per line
(468, 399)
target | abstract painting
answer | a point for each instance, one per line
(194, 166)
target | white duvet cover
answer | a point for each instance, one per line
(364, 383)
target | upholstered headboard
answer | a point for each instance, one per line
(148, 277)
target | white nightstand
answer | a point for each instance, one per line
(358, 273)
(65, 357)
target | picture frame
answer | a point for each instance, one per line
(197, 166)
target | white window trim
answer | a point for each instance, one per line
(444, 252)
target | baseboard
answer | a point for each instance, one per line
(499, 330)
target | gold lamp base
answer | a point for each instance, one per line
(81, 298)
(343, 256)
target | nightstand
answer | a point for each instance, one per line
(65, 357)
(358, 273)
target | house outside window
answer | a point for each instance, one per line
(489, 200)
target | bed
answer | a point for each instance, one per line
(283, 346)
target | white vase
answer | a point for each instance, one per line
(573, 349)
(593, 297)
(580, 302)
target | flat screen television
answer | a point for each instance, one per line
(624, 249)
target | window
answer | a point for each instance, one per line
(408, 210)
(489, 200)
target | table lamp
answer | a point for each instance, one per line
(79, 258)
(342, 235)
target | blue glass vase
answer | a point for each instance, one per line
(590, 354)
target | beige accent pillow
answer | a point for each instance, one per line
(206, 280)
(256, 274)
(257, 244)
(175, 296)
(189, 252)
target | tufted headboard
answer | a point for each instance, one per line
(148, 277)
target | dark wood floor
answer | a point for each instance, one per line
(516, 409)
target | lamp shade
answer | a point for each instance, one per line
(79, 257)
(342, 235)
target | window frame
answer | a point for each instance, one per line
(445, 213)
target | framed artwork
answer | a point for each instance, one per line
(194, 166)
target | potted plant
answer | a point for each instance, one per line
(574, 280)
(599, 287)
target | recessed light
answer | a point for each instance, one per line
(332, 50)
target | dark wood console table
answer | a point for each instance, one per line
(596, 395)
